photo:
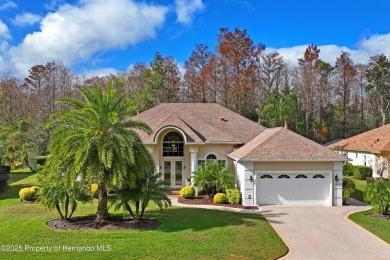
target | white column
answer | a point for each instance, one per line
(194, 161)
(338, 187)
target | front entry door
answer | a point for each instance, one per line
(173, 172)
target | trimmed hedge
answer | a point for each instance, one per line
(220, 198)
(348, 169)
(361, 172)
(187, 192)
(233, 196)
(349, 187)
(5, 169)
(28, 194)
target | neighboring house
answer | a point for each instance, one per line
(271, 166)
(371, 148)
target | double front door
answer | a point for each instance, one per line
(173, 172)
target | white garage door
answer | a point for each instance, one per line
(297, 188)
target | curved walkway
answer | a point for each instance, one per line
(318, 232)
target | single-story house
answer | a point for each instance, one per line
(271, 166)
(371, 148)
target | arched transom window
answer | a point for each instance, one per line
(301, 176)
(318, 176)
(266, 176)
(173, 144)
(283, 176)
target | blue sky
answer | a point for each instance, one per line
(103, 36)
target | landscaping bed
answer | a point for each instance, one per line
(206, 200)
(115, 223)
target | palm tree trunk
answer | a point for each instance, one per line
(102, 209)
(128, 208)
(58, 208)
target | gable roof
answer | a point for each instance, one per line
(375, 141)
(279, 143)
(201, 122)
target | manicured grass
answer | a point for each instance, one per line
(23, 170)
(185, 233)
(360, 188)
(377, 226)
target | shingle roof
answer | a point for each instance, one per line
(282, 144)
(374, 141)
(201, 122)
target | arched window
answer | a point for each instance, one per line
(284, 176)
(266, 176)
(318, 176)
(301, 176)
(173, 144)
(211, 156)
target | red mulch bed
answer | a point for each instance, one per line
(206, 200)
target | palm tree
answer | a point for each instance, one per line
(95, 138)
(148, 188)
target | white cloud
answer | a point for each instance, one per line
(6, 4)
(4, 32)
(26, 19)
(101, 72)
(75, 33)
(367, 47)
(185, 10)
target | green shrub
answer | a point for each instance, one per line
(378, 195)
(233, 195)
(220, 198)
(361, 172)
(348, 169)
(348, 188)
(28, 193)
(187, 192)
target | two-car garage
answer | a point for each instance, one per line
(297, 188)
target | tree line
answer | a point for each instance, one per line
(316, 99)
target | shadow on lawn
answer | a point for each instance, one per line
(13, 189)
(195, 219)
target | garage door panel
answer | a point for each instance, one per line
(293, 191)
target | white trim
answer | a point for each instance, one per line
(157, 135)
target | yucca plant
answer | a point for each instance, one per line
(96, 139)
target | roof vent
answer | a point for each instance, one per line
(137, 112)
(223, 119)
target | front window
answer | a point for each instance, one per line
(212, 157)
(173, 144)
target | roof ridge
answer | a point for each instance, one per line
(266, 139)
(215, 126)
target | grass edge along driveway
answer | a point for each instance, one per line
(377, 226)
(184, 233)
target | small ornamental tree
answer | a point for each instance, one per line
(58, 193)
(213, 177)
(378, 195)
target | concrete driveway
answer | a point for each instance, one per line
(312, 232)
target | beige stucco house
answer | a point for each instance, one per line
(271, 166)
(371, 148)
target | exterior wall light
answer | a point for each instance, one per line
(251, 178)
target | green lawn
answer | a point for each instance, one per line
(378, 227)
(359, 192)
(185, 233)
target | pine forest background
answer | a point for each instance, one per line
(318, 100)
